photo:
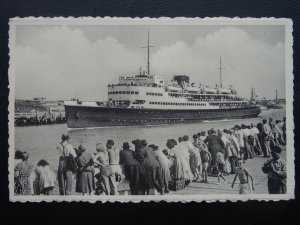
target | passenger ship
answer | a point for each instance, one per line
(146, 99)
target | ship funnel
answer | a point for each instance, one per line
(182, 80)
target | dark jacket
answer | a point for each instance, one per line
(150, 159)
(127, 159)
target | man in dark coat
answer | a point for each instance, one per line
(214, 144)
(151, 166)
(131, 167)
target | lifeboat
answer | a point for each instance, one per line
(172, 88)
(193, 89)
(224, 91)
(210, 90)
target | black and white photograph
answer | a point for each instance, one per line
(180, 110)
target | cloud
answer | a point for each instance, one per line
(60, 63)
(247, 62)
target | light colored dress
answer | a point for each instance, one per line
(164, 168)
(182, 164)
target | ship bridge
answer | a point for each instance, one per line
(141, 79)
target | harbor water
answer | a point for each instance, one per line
(41, 141)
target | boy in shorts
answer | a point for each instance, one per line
(221, 167)
(206, 160)
(241, 171)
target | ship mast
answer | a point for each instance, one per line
(220, 68)
(148, 53)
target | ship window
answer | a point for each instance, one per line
(123, 92)
(136, 92)
(132, 92)
(128, 92)
(155, 94)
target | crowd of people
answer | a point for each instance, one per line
(150, 169)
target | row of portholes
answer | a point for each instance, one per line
(150, 120)
(123, 92)
(177, 103)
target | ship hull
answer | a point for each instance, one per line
(84, 117)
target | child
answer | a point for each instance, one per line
(206, 160)
(241, 171)
(221, 167)
(275, 168)
(44, 181)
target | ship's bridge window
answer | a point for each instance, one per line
(132, 92)
(128, 92)
(136, 92)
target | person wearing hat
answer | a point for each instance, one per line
(275, 168)
(131, 168)
(65, 170)
(151, 165)
(85, 176)
(266, 138)
(214, 144)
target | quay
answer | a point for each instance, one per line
(38, 111)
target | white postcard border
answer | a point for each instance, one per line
(157, 21)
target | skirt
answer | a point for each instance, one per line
(85, 182)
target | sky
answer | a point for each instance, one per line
(62, 62)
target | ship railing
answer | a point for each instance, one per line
(136, 85)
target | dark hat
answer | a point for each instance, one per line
(81, 148)
(136, 141)
(65, 137)
(226, 131)
(110, 142)
(185, 138)
(243, 126)
(213, 130)
(276, 149)
(154, 147)
(144, 142)
(237, 127)
(126, 145)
